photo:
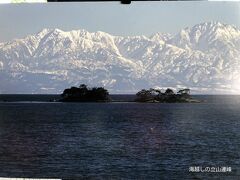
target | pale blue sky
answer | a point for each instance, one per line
(18, 20)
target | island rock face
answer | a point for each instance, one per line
(204, 58)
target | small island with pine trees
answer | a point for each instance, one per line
(100, 94)
(157, 96)
(85, 94)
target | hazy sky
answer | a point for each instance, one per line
(18, 20)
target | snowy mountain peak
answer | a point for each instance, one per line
(215, 27)
(207, 36)
(46, 31)
(161, 36)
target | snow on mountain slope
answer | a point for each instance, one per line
(161, 36)
(208, 37)
(205, 58)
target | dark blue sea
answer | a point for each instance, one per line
(119, 140)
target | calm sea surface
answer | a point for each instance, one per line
(119, 140)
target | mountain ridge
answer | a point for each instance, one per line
(205, 58)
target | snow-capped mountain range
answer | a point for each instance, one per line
(204, 58)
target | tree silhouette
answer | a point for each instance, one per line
(155, 95)
(169, 91)
(145, 95)
(184, 92)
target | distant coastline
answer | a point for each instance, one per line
(116, 98)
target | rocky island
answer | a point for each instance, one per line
(85, 94)
(157, 96)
